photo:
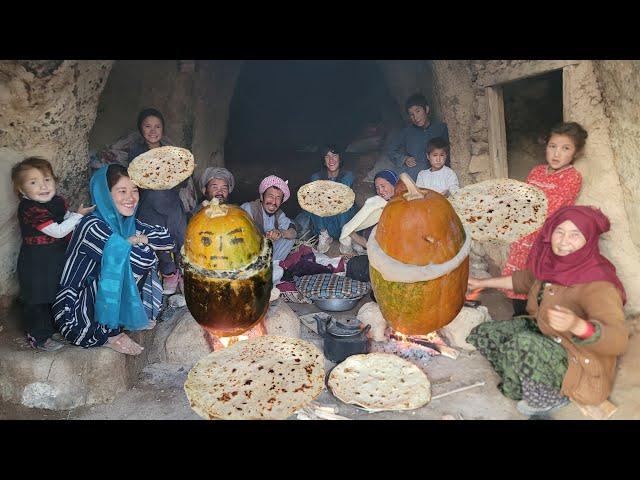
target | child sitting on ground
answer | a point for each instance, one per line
(439, 177)
(45, 225)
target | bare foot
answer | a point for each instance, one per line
(122, 343)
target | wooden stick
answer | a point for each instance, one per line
(462, 389)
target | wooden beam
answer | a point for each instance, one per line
(567, 77)
(497, 132)
(524, 70)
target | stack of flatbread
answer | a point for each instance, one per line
(268, 377)
(161, 168)
(503, 210)
(379, 382)
(325, 198)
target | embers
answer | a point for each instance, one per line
(471, 299)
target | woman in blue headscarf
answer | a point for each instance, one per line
(384, 183)
(110, 279)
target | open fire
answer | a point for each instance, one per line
(473, 295)
(218, 343)
(418, 349)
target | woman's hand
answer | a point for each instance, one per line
(562, 319)
(138, 239)
(475, 283)
(86, 210)
(274, 234)
(410, 162)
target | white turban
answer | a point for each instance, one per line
(216, 172)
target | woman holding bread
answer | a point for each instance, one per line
(566, 348)
(161, 207)
(560, 182)
(328, 228)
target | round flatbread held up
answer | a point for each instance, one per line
(325, 198)
(161, 168)
(263, 378)
(502, 209)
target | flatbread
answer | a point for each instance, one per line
(267, 377)
(325, 198)
(380, 382)
(503, 210)
(161, 168)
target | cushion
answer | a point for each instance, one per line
(329, 285)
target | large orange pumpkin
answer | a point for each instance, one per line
(419, 227)
(227, 270)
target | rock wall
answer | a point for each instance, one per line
(453, 97)
(619, 82)
(47, 108)
(214, 87)
(607, 180)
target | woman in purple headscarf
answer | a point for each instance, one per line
(567, 347)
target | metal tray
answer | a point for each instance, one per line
(336, 304)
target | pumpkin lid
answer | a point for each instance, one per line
(222, 237)
(419, 226)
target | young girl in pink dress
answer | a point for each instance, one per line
(560, 182)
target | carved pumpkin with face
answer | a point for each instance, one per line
(420, 227)
(227, 270)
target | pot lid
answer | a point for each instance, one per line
(345, 328)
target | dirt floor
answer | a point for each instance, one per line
(159, 393)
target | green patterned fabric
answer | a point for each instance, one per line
(519, 352)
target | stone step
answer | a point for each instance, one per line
(72, 376)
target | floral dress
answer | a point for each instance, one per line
(561, 188)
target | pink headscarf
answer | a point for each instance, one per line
(582, 266)
(273, 181)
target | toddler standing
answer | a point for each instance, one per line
(45, 225)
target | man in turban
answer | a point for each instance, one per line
(270, 219)
(216, 182)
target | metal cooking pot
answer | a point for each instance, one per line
(342, 340)
(335, 304)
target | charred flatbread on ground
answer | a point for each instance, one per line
(161, 168)
(379, 382)
(325, 198)
(502, 209)
(268, 377)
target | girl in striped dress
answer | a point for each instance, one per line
(110, 281)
